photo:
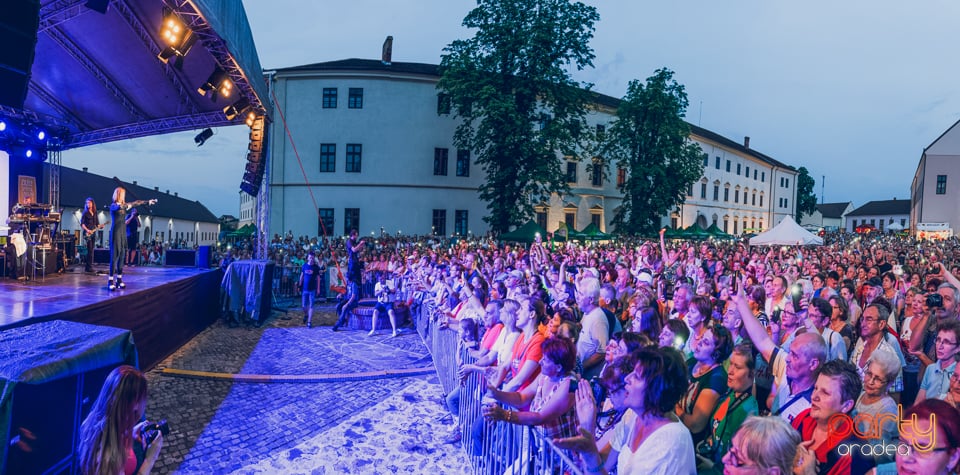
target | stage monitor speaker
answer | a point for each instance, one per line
(19, 22)
(101, 256)
(45, 422)
(181, 257)
(204, 256)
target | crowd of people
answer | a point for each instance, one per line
(706, 357)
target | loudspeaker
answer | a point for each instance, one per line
(181, 257)
(45, 422)
(101, 256)
(18, 37)
(204, 255)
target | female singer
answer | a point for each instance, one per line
(118, 237)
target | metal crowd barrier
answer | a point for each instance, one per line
(494, 448)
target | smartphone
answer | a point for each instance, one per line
(796, 294)
(574, 384)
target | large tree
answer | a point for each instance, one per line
(806, 199)
(650, 139)
(521, 111)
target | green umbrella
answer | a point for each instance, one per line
(673, 233)
(566, 232)
(694, 231)
(527, 233)
(593, 233)
(717, 232)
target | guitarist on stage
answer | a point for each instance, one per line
(90, 224)
(118, 235)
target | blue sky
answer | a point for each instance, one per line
(853, 90)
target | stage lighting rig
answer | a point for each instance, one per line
(203, 136)
(239, 107)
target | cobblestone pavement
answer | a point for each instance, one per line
(333, 425)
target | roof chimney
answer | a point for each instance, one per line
(168, 192)
(156, 188)
(386, 55)
(175, 193)
(134, 182)
(746, 142)
(84, 169)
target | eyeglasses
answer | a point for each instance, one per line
(941, 341)
(736, 460)
(871, 320)
(910, 450)
(869, 377)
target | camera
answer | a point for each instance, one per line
(152, 429)
(934, 300)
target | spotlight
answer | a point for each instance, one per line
(241, 106)
(29, 153)
(3, 126)
(251, 119)
(203, 136)
(41, 135)
(177, 37)
(218, 83)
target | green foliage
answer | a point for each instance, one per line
(806, 198)
(511, 87)
(650, 139)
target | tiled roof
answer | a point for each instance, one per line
(884, 208)
(832, 210)
(355, 64)
(77, 185)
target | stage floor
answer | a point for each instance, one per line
(21, 301)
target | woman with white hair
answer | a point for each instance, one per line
(763, 445)
(882, 369)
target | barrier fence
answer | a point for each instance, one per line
(493, 447)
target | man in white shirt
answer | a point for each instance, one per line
(596, 331)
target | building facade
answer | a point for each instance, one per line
(933, 197)
(879, 214)
(375, 145)
(829, 216)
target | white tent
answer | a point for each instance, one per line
(787, 233)
(895, 227)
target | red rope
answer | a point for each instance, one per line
(306, 181)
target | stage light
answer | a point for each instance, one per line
(177, 37)
(203, 136)
(218, 83)
(3, 126)
(28, 153)
(251, 119)
(241, 106)
(41, 135)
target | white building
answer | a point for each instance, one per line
(377, 147)
(879, 214)
(933, 200)
(172, 218)
(829, 216)
(248, 209)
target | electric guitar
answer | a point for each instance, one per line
(95, 229)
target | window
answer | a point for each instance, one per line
(571, 172)
(881, 225)
(763, 177)
(703, 190)
(786, 203)
(443, 104)
(329, 98)
(941, 184)
(439, 226)
(753, 199)
(726, 194)
(728, 166)
(690, 191)
(440, 156)
(460, 227)
(673, 222)
(542, 218)
(706, 162)
(754, 173)
(595, 219)
(718, 163)
(354, 156)
(355, 99)
(621, 176)
(463, 162)
(570, 219)
(736, 196)
(903, 221)
(734, 226)
(781, 182)
(738, 169)
(747, 172)
(726, 223)
(328, 157)
(351, 219)
(596, 175)
(716, 192)
(325, 222)
(873, 222)
(761, 201)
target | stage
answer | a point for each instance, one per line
(163, 306)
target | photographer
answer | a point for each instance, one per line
(942, 307)
(111, 440)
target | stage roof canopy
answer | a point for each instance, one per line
(98, 76)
